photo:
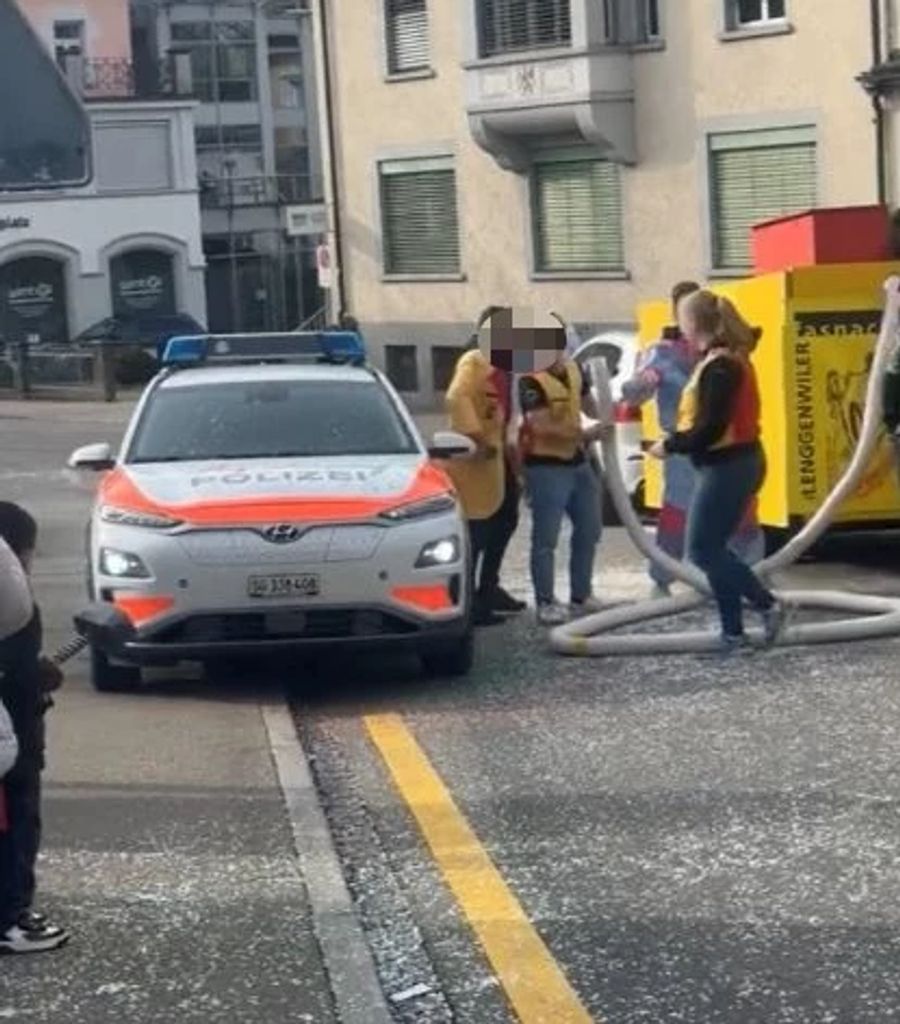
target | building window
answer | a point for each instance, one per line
(406, 30)
(402, 366)
(650, 28)
(115, 146)
(223, 58)
(143, 282)
(631, 22)
(443, 363)
(68, 41)
(754, 13)
(284, 41)
(33, 300)
(419, 216)
(506, 26)
(577, 210)
(754, 177)
(241, 138)
(286, 76)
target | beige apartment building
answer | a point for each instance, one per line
(583, 155)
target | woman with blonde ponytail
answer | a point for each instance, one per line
(719, 428)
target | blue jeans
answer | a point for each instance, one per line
(554, 491)
(720, 500)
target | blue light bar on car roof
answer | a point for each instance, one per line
(306, 346)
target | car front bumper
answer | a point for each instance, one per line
(238, 634)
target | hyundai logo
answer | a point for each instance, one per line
(283, 533)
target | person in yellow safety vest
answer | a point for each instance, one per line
(719, 429)
(479, 406)
(559, 476)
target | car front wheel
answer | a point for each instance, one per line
(452, 658)
(109, 678)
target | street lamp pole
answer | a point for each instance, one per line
(234, 290)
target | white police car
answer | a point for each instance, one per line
(272, 493)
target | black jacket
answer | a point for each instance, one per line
(21, 688)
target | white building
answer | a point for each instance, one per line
(129, 242)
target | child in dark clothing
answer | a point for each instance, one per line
(26, 681)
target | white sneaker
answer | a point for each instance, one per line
(553, 614)
(588, 606)
(40, 940)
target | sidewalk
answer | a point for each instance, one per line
(169, 854)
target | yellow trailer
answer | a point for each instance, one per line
(819, 327)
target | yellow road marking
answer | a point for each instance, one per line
(531, 978)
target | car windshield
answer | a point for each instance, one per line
(270, 419)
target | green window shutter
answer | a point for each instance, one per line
(578, 216)
(407, 35)
(419, 217)
(754, 177)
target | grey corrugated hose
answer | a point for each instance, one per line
(869, 616)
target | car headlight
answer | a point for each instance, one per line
(131, 517)
(122, 564)
(420, 509)
(439, 552)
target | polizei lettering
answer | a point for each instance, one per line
(244, 477)
(806, 426)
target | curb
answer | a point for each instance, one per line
(357, 993)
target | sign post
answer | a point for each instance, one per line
(323, 266)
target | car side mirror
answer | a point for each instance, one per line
(448, 444)
(95, 457)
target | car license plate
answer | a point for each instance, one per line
(299, 585)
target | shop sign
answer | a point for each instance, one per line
(14, 223)
(143, 282)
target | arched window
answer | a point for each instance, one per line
(33, 301)
(143, 283)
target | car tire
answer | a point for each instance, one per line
(452, 659)
(109, 678)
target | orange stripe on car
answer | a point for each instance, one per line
(432, 597)
(141, 608)
(119, 489)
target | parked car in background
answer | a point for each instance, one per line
(620, 350)
(140, 341)
(150, 331)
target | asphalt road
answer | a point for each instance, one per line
(686, 840)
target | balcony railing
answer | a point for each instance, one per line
(114, 78)
(263, 190)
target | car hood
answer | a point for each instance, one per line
(257, 489)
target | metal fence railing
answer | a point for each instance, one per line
(117, 78)
(261, 190)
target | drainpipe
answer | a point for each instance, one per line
(878, 109)
(321, 34)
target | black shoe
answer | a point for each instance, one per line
(33, 921)
(502, 601)
(484, 616)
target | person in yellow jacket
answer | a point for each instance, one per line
(559, 476)
(479, 404)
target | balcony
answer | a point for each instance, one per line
(262, 190)
(113, 78)
(549, 70)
